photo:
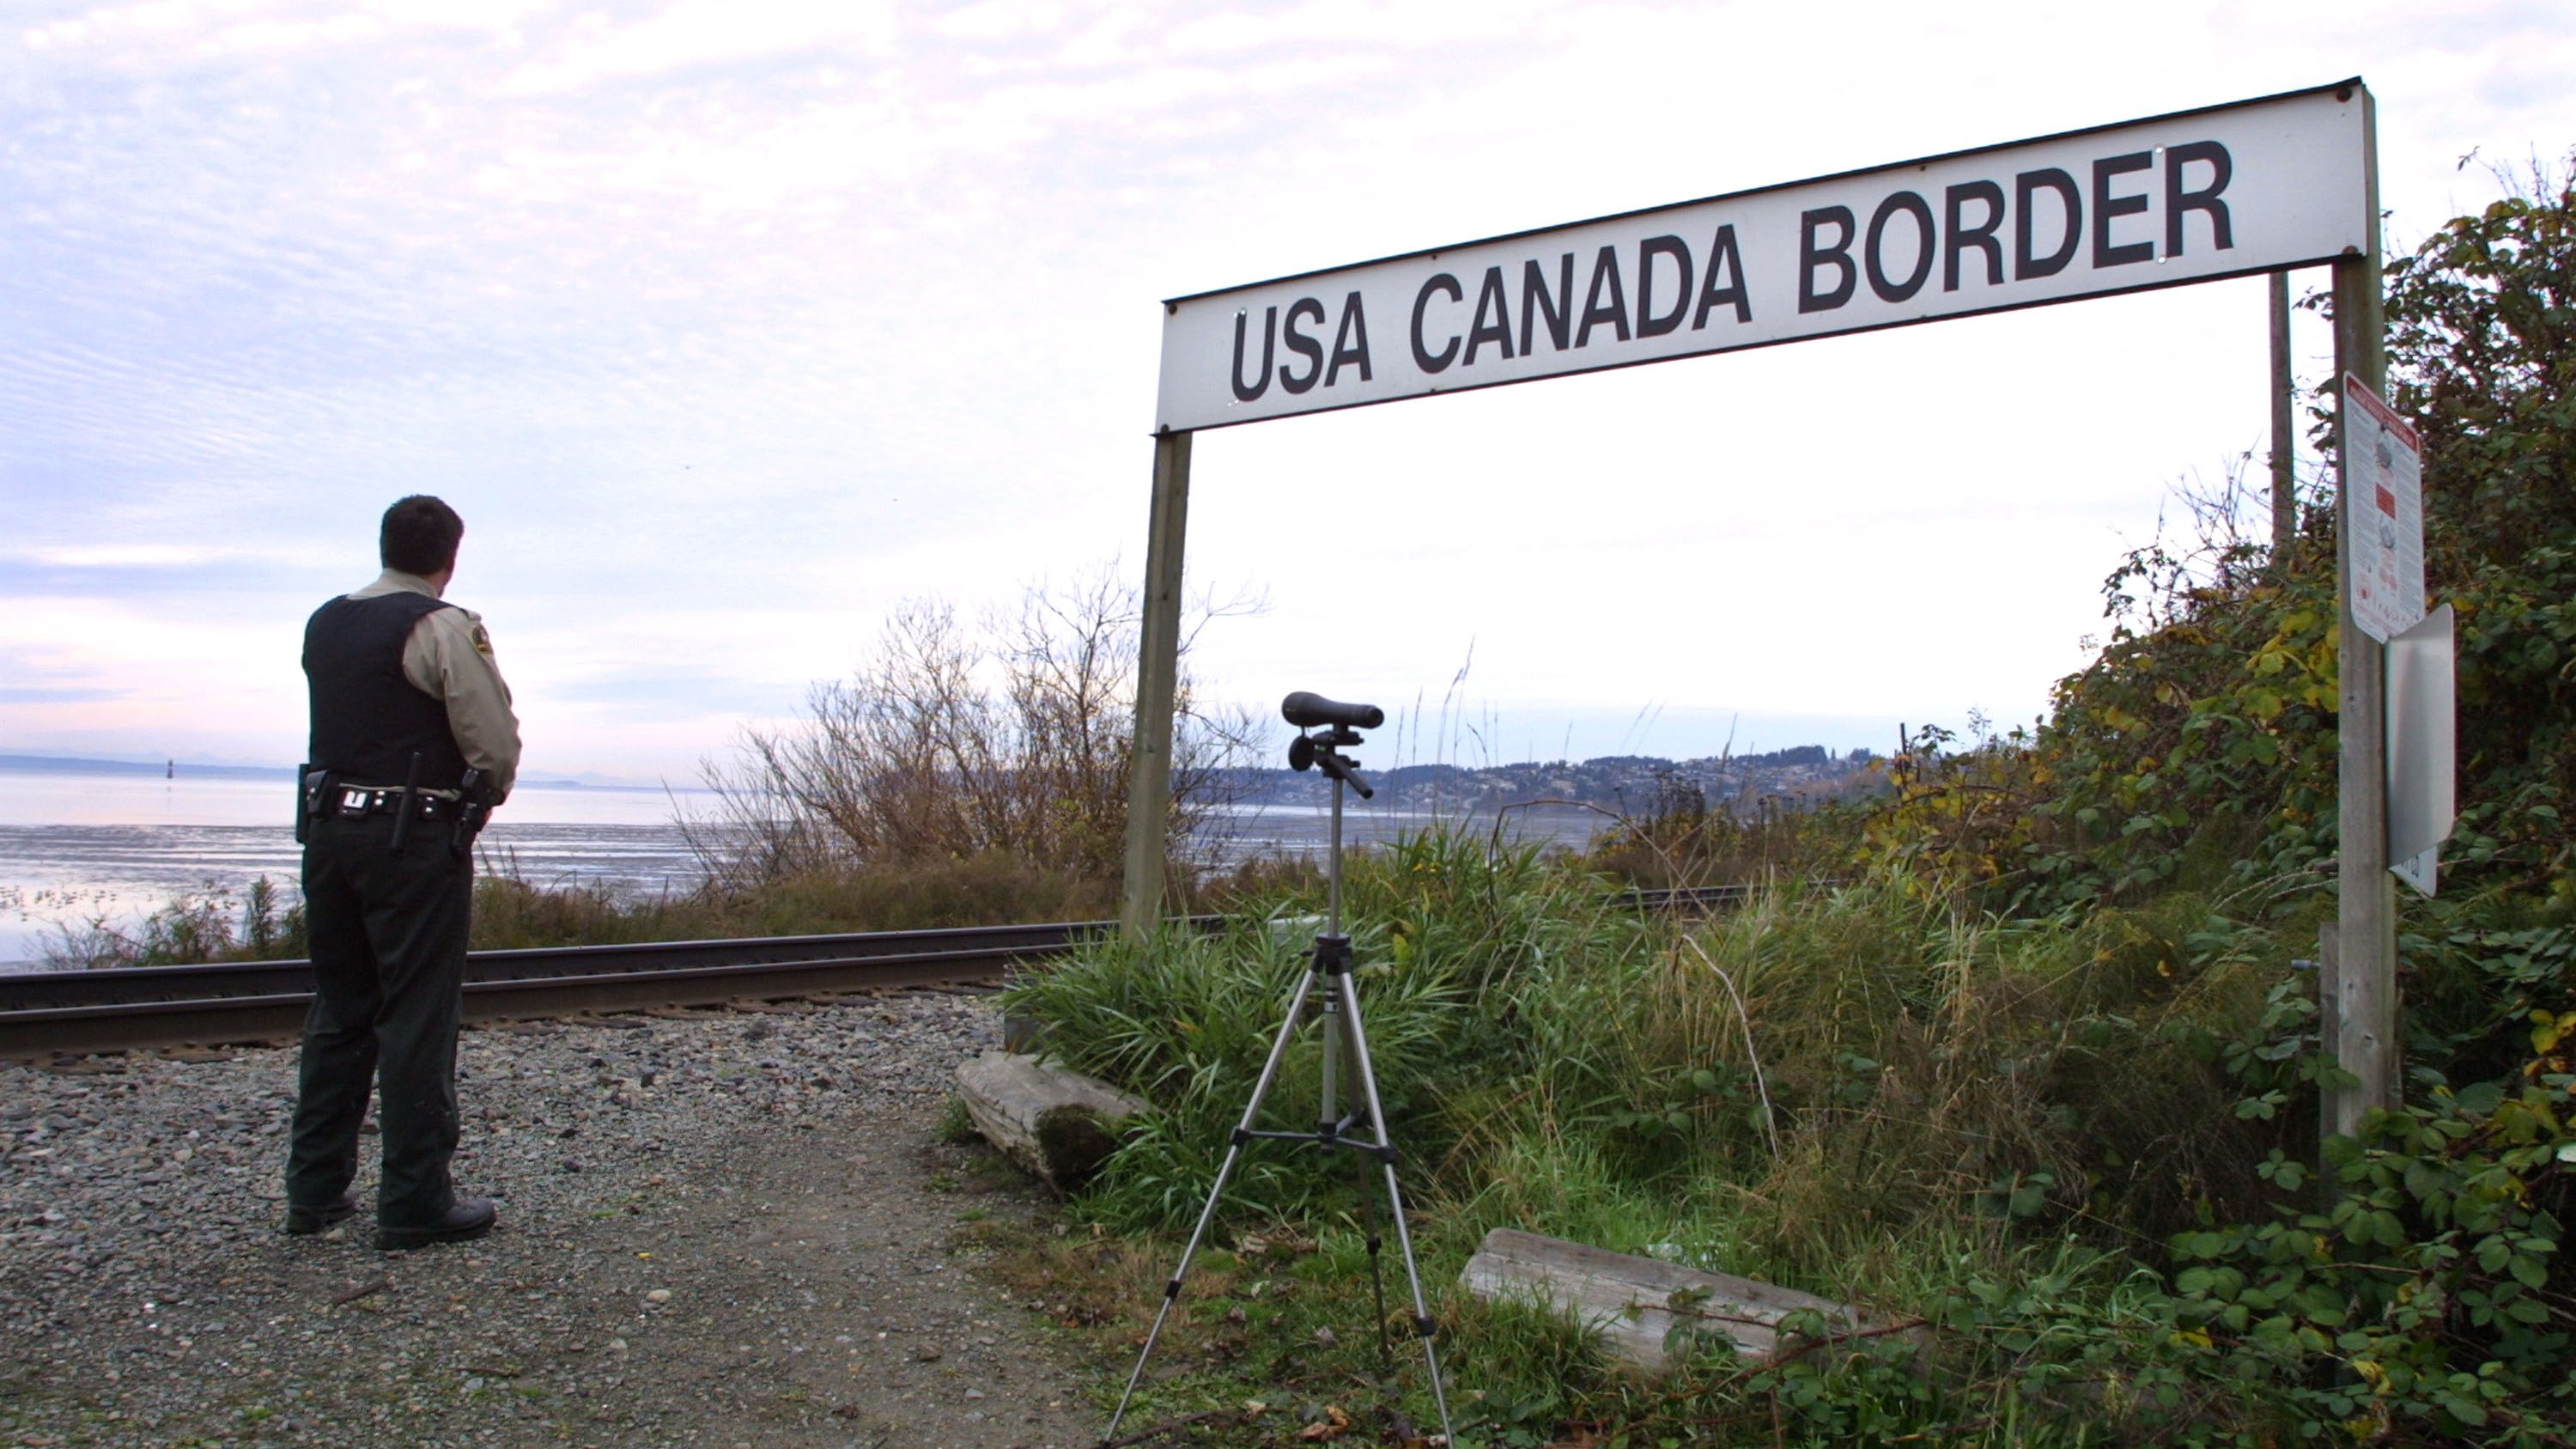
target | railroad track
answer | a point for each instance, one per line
(70, 1013)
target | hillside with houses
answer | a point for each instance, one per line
(1796, 778)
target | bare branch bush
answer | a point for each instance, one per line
(2217, 548)
(947, 744)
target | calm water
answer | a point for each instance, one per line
(78, 848)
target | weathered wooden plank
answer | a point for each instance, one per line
(1634, 1303)
(1053, 1121)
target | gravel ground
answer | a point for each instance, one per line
(728, 1229)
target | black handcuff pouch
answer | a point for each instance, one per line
(313, 791)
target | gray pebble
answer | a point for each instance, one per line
(147, 1297)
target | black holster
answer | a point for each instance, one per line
(475, 804)
(312, 794)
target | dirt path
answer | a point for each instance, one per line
(815, 1298)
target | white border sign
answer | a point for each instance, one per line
(2189, 197)
(2423, 748)
(2384, 468)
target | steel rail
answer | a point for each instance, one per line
(266, 1001)
(227, 1020)
(139, 984)
(78, 1012)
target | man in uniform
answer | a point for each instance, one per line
(413, 738)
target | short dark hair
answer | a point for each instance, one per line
(419, 535)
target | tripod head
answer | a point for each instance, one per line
(1322, 752)
(1331, 727)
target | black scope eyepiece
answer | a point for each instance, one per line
(1310, 711)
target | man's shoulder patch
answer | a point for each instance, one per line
(482, 641)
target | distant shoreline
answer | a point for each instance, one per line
(58, 765)
(62, 765)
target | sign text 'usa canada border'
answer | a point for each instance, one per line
(2197, 195)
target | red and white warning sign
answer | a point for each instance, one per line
(2383, 467)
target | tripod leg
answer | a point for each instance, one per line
(1421, 1309)
(1329, 1117)
(1207, 1214)
(1395, 1199)
(1377, 1277)
(1370, 1236)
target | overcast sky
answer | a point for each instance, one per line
(729, 326)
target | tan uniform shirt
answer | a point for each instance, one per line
(449, 658)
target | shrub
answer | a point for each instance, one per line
(192, 927)
(950, 745)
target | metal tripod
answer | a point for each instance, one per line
(1330, 962)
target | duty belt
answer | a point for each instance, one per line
(350, 802)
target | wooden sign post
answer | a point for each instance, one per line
(2362, 969)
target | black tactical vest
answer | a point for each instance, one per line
(368, 717)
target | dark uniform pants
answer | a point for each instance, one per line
(388, 940)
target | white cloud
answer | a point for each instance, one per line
(126, 555)
(727, 326)
(999, 20)
(705, 33)
(181, 670)
(141, 36)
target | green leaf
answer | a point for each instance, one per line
(2386, 1230)
(2323, 1304)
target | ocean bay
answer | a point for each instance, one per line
(82, 846)
(78, 847)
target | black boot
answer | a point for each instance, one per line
(304, 1222)
(471, 1217)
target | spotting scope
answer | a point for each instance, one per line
(1312, 711)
